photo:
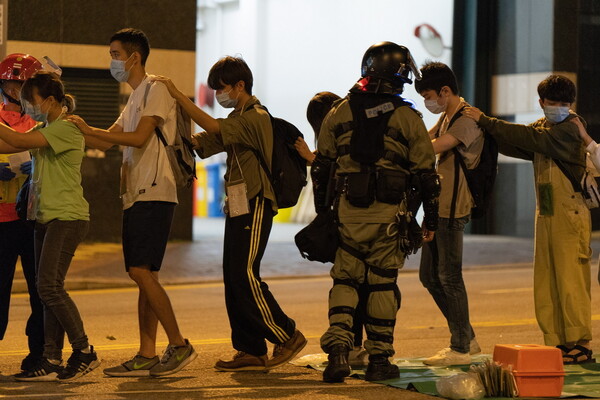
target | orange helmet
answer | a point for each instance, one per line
(18, 67)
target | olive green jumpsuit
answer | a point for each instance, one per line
(562, 252)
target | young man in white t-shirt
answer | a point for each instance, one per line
(149, 197)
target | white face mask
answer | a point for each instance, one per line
(435, 107)
(225, 101)
(556, 114)
(118, 71)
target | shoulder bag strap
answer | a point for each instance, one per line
(258, 153)
(458, 162)
(157, 130)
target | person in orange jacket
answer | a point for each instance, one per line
(16, 235)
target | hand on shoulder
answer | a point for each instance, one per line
(472, 112)
(79, 123)
(166, 81)
(581, 130)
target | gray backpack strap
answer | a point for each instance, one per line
(157, 130)
(146, 93)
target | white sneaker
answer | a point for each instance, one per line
(358, 357)
(474, 347)
(448, 357)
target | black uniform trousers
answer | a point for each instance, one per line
(254, 314)
(16, 239)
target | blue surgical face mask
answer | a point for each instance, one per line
(556, 114)
(225, 101)
(118, 71)
(35, 112)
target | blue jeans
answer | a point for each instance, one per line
(440, 273)
(55, 244)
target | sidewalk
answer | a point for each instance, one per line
(100, 265)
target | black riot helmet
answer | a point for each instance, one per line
(390, 62)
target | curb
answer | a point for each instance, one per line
(20, 285)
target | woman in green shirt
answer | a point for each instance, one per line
(57, 204)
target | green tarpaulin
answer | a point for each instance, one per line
(580, 380)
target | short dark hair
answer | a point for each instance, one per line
(317, 109)
(557, 88)
(436, 75)
(229, 71)
(48, 84)
(133, 40)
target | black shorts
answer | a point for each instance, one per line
(146, 228)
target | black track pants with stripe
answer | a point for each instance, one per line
(254, 314)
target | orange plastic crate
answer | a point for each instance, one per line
(538, 369)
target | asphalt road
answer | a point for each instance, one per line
(501, 312)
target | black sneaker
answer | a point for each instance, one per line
(42, 371)
(31, 361)
(79, 364)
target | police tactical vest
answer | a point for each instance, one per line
(371, 114)
(370, 117)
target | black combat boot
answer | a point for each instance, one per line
(338, 367)
(380, 368)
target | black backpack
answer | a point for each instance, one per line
(319, 240)
(479, 179)
(288, 169)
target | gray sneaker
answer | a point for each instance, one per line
(137, 366)
(174, 359)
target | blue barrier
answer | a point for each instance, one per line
(215, 196)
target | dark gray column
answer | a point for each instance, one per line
(576, 49)
(517, 38)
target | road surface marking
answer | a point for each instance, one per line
(170, 390)
(504, 291)
(202, 285)
(125, 346)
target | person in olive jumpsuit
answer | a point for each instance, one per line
(563, 225)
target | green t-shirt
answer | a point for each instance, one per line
(57, 174)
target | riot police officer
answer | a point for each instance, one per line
(380, 148)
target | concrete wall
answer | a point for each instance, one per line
(75, 34)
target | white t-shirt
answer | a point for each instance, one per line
(146, 174)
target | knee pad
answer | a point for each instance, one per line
(341, 310)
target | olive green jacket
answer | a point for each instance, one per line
(241, 135)
(560, 142)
